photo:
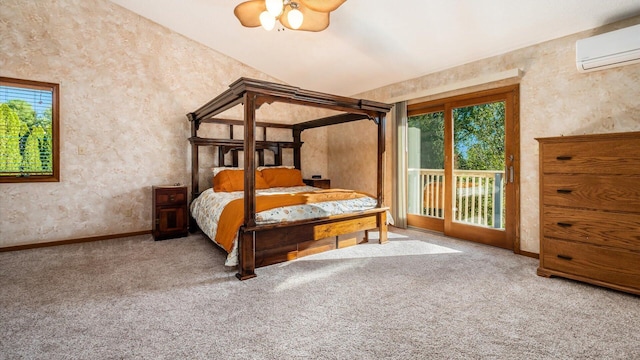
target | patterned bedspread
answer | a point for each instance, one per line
(207, 208)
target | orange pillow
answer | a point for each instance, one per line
(278, 177)
(233, 180)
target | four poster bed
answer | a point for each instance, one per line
(244, 212)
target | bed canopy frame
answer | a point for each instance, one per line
(252, 94)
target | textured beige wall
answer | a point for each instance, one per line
(353, 155)
(555, 100)
(126, 84)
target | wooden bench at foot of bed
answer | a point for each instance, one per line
(269, 244)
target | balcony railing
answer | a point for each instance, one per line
(479, 195)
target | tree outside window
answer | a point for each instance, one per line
(29, 138)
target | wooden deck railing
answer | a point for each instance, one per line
(479, 195)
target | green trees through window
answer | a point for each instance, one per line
(431, 127)
(479, 137)
(28, 131)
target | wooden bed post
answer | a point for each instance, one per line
(381, 218)
(278, 155)
(250, 159)
(246, 255)
(195, 167)
(246, 247)
(297, 140)
(381, 154)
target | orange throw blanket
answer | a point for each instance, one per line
(233, 214)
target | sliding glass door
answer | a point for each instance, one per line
(462, 164)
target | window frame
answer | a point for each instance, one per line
(55, 130)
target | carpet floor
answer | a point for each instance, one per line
(421, 296)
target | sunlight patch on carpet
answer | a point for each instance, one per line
(392, 248)
(312, 276)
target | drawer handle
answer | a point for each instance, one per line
(564, 257)
(564, 157)
(564, 224)
(564, 191)
(172, 198)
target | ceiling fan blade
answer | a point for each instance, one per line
(322, 5)
(313, 20)
(249, 12)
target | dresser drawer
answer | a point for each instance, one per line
(170, 196)
(609, 156)
(593, 262)
(621, 230)
(604, 192)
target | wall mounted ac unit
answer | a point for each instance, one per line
(615, 48)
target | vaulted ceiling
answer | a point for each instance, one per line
(370, 44)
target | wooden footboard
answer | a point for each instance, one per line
(262, 239)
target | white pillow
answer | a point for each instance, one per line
(216, 170)
(260, 168)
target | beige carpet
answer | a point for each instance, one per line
(422, 296)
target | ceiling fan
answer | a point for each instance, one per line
(307, 15)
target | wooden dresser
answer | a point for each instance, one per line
(590, 209)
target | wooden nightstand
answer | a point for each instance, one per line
(170, 212)
(319, 183)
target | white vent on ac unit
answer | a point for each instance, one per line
(615, 48)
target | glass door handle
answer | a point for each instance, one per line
(511, 157)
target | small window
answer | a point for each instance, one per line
(29, 136)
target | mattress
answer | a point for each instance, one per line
(208, 207)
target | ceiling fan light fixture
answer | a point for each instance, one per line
(302, 15)
(295, 17)
(274, 7)
(267, 20)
